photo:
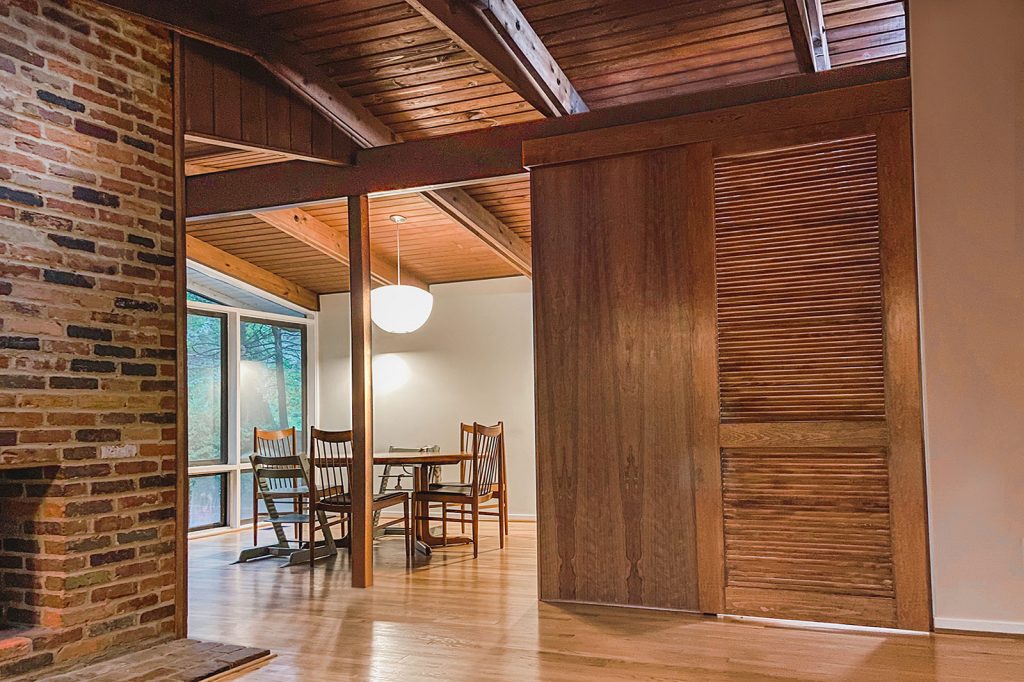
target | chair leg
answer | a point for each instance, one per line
(444, 522)
(312, 534)
(408, 530)
(255, 516)
(476, 529)
(501, 525)
(504, 504)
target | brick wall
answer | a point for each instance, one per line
(86, 330)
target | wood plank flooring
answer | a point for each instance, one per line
(454, 618)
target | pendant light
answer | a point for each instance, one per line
(399, 308)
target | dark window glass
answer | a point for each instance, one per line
(207, 501)
(207, 383)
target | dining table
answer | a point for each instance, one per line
(422, 463)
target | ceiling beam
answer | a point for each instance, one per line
(233, 266)
(218, 22)
(461, 208)
(215, 22)
(498, 35)
(807, 29)
(497, 151)
(331, 242)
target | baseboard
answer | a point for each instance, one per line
(1009, 627)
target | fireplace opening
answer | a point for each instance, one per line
(23, 499)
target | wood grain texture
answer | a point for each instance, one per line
(181, 522)
(864, 31)
(703, 405)
(615, 493)
(332, 242)
(903, 373)
(799, 284)
(809, 521)
(361, 485)
(486, 154)
(233, 266)
(803, 110)
(618, 52)
(500, 38)
(494, 627)
(803, 434)
(823, 472)
(229, 102)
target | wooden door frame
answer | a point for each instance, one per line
(882, 109)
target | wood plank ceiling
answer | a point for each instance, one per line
(434, 248)
(407, 72)
(421, 83)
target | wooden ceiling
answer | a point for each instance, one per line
(864, 30)
(419, 79)
(407, 72)
(435, 249)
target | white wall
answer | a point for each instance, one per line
(473, 360)
(967, 68)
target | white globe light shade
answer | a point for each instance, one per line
(399, 308)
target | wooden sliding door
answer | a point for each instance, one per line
(612, 297)
(728, 380)
(820, 435)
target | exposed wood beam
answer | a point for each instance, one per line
(362, 393)
(497, 151)
(807, 29)
(220, 23)
(214, 22)
(233, 266)
(313, 232)
(498, 35)
(461, 208)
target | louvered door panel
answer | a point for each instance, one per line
(799, 284)
(801, 342)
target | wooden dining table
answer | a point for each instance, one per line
(422, 462)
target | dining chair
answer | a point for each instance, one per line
(486, 477)
(466, 445)
(330, 476)
(271, 446)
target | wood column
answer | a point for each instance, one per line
(181, 365)
(362, 391)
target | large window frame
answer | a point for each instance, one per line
(238, 443)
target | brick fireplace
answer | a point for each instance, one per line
(87, 323)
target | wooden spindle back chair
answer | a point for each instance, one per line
(466, 445)
(486, 479)
(330, 480)
(276, 450)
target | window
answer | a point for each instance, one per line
(246, 369)
(272, 381)
(207, 382)
(196, 297)
(207, 501)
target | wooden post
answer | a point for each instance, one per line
(362, 392)
(181, 368)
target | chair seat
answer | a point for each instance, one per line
(379, 500)
(454, 494)
(284, 492)
(451, 487)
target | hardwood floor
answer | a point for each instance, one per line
(454, 618)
